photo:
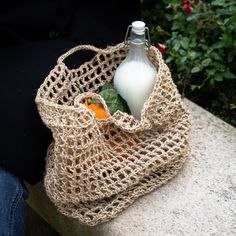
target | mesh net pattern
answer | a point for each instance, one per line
(97, 168)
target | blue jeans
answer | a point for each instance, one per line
(12, 205)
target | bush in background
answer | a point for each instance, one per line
(200, 40)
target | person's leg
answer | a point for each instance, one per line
(12, 204)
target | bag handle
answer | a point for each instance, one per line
(87, 47)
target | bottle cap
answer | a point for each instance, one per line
(138, 27)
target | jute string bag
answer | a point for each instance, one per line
(97, 168)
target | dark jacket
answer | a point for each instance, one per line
(32, 36)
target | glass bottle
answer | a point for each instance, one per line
(136, 76)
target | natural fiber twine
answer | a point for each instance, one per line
(97, 168)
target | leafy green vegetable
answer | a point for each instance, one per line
(113, 99)
(107, 86)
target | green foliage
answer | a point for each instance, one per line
(113, 99)
(201, 50)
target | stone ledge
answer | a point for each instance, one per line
(200, 200)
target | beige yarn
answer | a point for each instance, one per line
(97, 168)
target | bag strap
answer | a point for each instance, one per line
(87, 47)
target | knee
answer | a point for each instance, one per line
(10, 185)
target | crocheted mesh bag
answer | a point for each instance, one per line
(97, 168)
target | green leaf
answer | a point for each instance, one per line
(216, 56)
(192, 55)
(218, 77)
(183, 60)
(229, 75)
(193, 44)
(161, 31)
(219, 67)
(195, 69)
(107, 86)
(192, 17)
(176, 26)
(206, 62)
(232, 106)
(176, 45)
(212, 81)
(218, 3)
(204, 47)
(193, 87)
(210, 73)
(219, 22)
(113, 100)
(230, 57)
(184, 42)
(218, 45)
(169, 59)
(182, 52)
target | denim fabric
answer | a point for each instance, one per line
(12, 204)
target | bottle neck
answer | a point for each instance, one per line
(137, 47)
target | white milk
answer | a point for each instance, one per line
(134, 80)
(135, 77)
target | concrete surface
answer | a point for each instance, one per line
(200, 200)
(36, 225)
